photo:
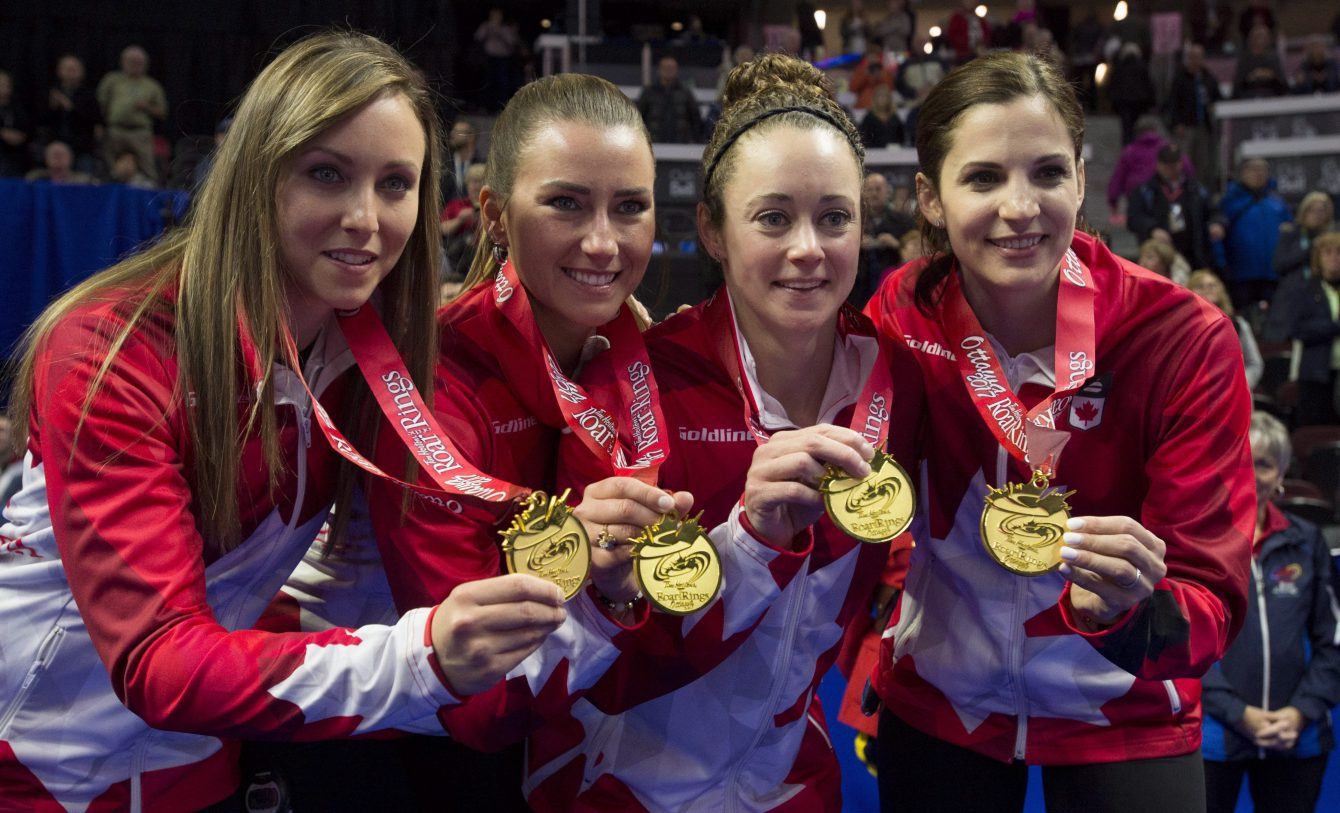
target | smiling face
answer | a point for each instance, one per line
(347, 204)
(1008, 194)
(790, 235)
(578, 225)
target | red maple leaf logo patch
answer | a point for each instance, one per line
(1086, 412)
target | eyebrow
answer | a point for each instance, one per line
(779, 197)
(407, 164)
(576, 188)
(1056, 156)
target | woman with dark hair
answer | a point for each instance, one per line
(1062, 380)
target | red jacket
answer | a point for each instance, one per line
(126, 678)
(748, 733)
(992, 661)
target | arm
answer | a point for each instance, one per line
(1200, 504)
(1289, 251)
(1221, 701)
(1319, 690)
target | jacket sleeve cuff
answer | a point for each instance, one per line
(1312, 708)
(1071, 622)
(424, 664)
(800, 545)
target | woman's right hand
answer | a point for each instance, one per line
(615, 510)
(781, 493)
(486, 627)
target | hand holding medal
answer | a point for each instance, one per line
(781, 491)
(614, 511)
(1112, 564)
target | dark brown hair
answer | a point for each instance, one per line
(996, 78)
(766, 92)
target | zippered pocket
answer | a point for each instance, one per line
(46, 653)
(1174, 699)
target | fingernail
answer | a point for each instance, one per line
(1064, 569)
(666, 502)
(1068, 553)
(868, 450)
(865, 469)
(1071, 538)
(1075, 523)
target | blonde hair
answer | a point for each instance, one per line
(564, 97)
(222, 266)
(1165, 251)
(1314, 198)
(1323, 241)
(1221, 299)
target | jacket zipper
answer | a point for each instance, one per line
(46, 652)
(1016, 652)
(137, 771)
(1265, 640)
(779, 680)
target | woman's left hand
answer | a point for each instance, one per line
(1112, 564)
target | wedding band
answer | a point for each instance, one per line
(1133, 582)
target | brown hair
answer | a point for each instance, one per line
(995, 78)
(223, 265)
(1221, 299)
(766, 92)
(573, 97)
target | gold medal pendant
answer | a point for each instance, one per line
(875, 508)
(546, 540)
(677, 566)
(1022, 525)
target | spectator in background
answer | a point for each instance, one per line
(1160, 257)
(500, 43)
(1190, 105)
(462, 144)
(1138, 160)
(1317, 73)
(1314, 217)
(13, 130)
(879, 242)
(1268, 702)
(968, 34)
(811, 38)
(71, 113)
(1256, 15)
(1020, 30)
(59, 166)
(1314, 320)
(881, 126)
(1130, 89)
(1086, 44)
(1173, 207)
(1252, 213)
(1208, 285)
(920, 72)
(460, 217)
(742, 54)
(126, 170)
(669, 108)
(895, 31)
(854, 29)
(910, 246)
(1260, 74)
(870, 73)
(131, 102)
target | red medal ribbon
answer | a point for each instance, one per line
(870, 419)
(1031, 435)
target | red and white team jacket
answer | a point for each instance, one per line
(748, 734)
(493, 397)
(126, 677)
(985, 659)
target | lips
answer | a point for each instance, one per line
(1019, 243)
(801, 285)
(594, 279)
(352, 257)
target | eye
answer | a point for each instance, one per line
(1053, 173)
(772, 219)
(633, 207)
(564, 203)
(324, 173)
(398, 183)
(982, 177)
(836, 219)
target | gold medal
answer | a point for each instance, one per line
(546, 540)
(1022, 525)
(677, 566)
(875, 508)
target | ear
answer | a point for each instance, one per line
(491, 210)
(1079, 176)
(709, 235)
(928, 200)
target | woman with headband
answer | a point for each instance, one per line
(1089, 499)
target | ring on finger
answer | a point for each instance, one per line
(605, 540)
(1134, 580)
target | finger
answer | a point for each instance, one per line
(630, 488)
(618, 534)
(1093, 582)
(797, 467)
(523, 615)
(683, 502)
(774, 495)
(1111, 526)
(1116, 572)
(513, 587)
(601, 515)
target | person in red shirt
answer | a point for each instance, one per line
(173, 481)
(1050, 362)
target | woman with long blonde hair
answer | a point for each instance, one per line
(172, 479)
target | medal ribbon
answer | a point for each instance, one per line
(1030, 435)
(639, 398)
(870, 418)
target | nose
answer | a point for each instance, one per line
(1020, 205)
(600, 243)
(360, 211)
(804, 251)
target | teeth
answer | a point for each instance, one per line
(1027, 242)
(348, 258)
(593, 278)
(801, 286)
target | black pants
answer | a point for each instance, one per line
(922, 774)
(1277, 785)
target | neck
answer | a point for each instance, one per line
(792, 366)
(565, 339)
(306, 323)
(1022, 320)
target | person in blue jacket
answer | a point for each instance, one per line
(1252, 213)
(1268, 702)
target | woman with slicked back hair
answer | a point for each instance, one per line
(1089, 498)
(172, 479)
(765, 387)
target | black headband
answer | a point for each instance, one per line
(823, 115)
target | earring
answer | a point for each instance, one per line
(499, 253)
